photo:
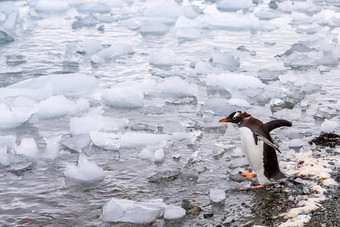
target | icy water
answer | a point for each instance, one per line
(177, 94)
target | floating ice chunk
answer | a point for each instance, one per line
(5, 38)
(112, 52)
(175, 87)
(233, 80)
(329, 126)
(123, 210)
(92, 46)
(232, 22)
(14, 117)
(234, 5)
(52, 147)
(51, 6)
(174, 212)
(219, 106)
(301, 61)
(267, 14)
(183, 22)
(191, 11)
(88, 21)
(163, 57)
(94, 7)
(84, 125)
(162, 8)
(77, 142)
(147, 154)
(138, 139)
(203, 67)
(7, 141)
(123, 97)
(189, 34)
(159, 155)
(225, 60)
(5, 158)
(11, 22)
(58, 106)
(73, 84)
(28, 147)
(85, 171)
(266, 75)
(296, 143)
(108, 141)
(217, 195)
(239, 102)
(153, 28)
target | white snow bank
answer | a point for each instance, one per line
(72, 84)
(123, 210)
(85, 171)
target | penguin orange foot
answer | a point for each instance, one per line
(258, 186)
(248, 175)
(259, 146)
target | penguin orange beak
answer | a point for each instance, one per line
(225, 120)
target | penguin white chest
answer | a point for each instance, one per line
(254, 152)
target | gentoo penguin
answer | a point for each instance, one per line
(258, 146)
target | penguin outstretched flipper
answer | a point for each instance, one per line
(275, 124)
(267, 141)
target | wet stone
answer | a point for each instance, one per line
(208, 215)
(165, 176)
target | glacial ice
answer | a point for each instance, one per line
(226, 61)
(174, 87)
(111, 53)
(123, 210)
(108, 141)
(163, 57)
(14, 117)
(174, 212)
(94, 7)
(87, 21)
(329, 126)
(234, 5)
(8, 141)
(28, 148)
(159, 155)
(58, 106)
(86, 171)
(86, 124)
(51, 6)
(123, 97)
(92, 46)
(77, 142)
(153, 28)
(40, 88)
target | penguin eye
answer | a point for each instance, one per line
(234, 118)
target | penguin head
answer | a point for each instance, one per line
(236, 117)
